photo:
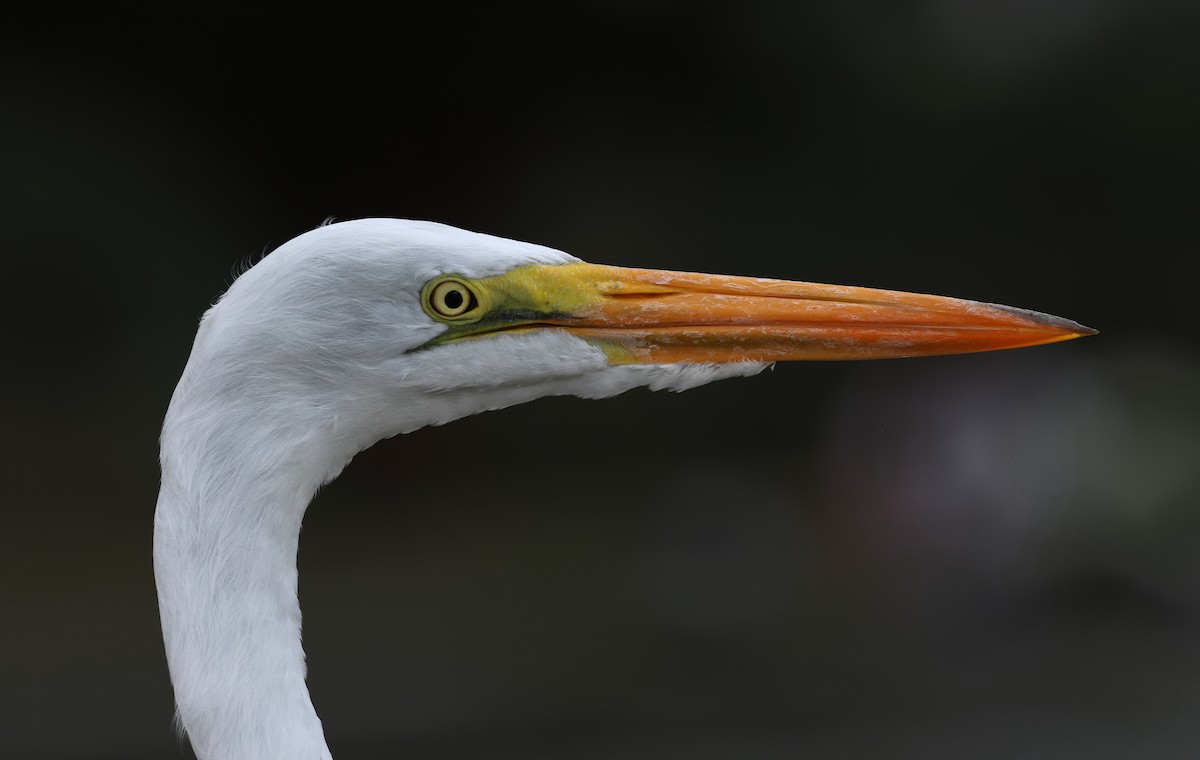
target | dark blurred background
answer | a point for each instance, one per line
(982, 556)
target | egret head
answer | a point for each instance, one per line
(394, 324)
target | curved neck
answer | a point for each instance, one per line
(226, 531)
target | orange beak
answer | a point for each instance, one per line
(648, 316)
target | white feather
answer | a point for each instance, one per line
(304, 362)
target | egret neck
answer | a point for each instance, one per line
(227, 526)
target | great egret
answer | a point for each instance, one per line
(361, 330)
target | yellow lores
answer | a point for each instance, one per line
(643, 316)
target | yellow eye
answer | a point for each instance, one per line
(451, 298)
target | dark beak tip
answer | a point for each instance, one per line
(1074, 328)
(1051, 322)
(1068, 327)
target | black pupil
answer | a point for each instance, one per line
(453, 299)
